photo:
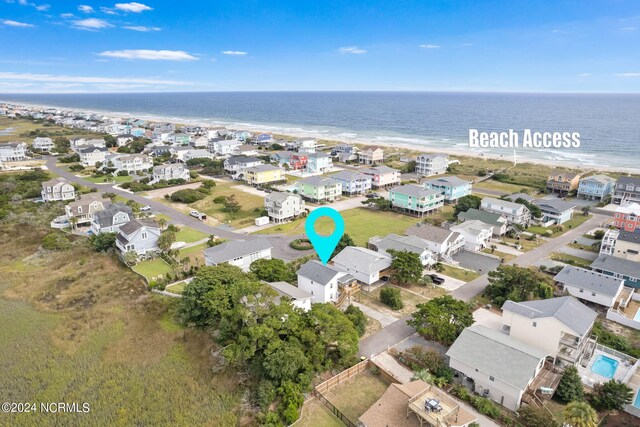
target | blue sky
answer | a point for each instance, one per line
(520, 46)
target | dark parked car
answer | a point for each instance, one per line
(371, 195)
(436, 279)
(385, 278)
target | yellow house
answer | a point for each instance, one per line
(263, 174)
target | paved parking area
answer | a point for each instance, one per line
(476, 261)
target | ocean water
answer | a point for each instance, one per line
(609, 124)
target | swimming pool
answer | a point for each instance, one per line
(636, 402)
(604, 366)
(637, 316)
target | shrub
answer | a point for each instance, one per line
(76, 168)
(486, 407)
(358, 318)
(265, 394)
(55, 242)
(392, 298)
(187, 196)
(220, 200)
(301, 244)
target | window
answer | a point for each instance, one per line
(491, 378)
(144, 236)
(79, 209)
(535, 324)
(593, 294)
(581, 290)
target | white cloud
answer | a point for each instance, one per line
(39, 7)
(86, 79)
(108, 11)
(11, 23)
(629, 28)
(66, 15)
(430, 46)
(85, 8)
(141, 28)
(132, 7)
(153, 55)
(628, 74)
(233, 52)
(354, 50)
(91, 24)
(584, 74)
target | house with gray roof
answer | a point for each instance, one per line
(515, 213)
(363, 264)
(394, 242)
(57, 189)
(111, 218)
(501, 367)
(554, 211)
(432, 164)
(516, 196)
(139, 236)
(319, 188)
(595, 187)
(499, 222)
(240, 253)
(588, 285)
(560, 326)
(282, 206)
(442, 242)
(322, 281)
(620, 268)
(353, 182)
(235, 166)
(415, 199)
(86, 207)
(299, 298)
(626, 190)
(451, 187)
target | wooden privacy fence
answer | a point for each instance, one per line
(324, 387)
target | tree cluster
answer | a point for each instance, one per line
(280, 346)
(511, 282)
(442, 319)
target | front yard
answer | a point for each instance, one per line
(108, 179)
(152, 268)
(411, 297)
(577, 220)
(360, 224)
(194, 253)
(571, 260)
(458, 273)
(189, 235)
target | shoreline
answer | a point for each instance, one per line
(396, 146)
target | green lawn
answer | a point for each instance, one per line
(195, 253)
(577, 220)
(108, 179)
(189, 235)
(571, 260)
(459, 273)
(360, 224)
(315, 414)
(356, 395)
(505, 187)
(152, 268)
(176, 288)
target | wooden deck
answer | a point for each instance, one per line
(549, 377)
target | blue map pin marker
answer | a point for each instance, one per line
(324, 245)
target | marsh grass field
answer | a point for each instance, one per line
(82, 328)
(21, 130)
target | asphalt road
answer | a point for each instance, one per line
(398, 331)
(281, 248)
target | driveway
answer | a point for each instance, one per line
(591, 256)
(416, 339)
(476, 287)
(386, 337)
(450, 284)
(384, 319)
(476, 261)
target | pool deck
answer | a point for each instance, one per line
(634, 383)
(590, 378)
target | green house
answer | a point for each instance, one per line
(415, 199)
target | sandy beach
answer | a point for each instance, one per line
(396, 146)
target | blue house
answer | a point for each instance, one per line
(596, 187)
(451, 187)
(619, 268)
(319, 162)
(353, 182)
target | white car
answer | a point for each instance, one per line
(145, 208)
(198, 215)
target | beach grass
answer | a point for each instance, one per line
(83, 328)
(108, 179)
(22, 128)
